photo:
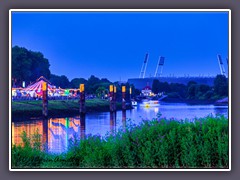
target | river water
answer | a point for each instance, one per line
(56, 132)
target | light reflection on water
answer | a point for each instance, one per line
(56, 132)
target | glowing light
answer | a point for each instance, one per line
(123, 88)
(81, 87)
(67, 122)
(44, 86)
(111, 88)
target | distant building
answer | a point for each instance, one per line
(146, 91)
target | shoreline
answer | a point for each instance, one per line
(194, 101)
(64, 108)
(57, 109)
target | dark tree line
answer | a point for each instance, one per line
(93, 85)
(193, 90)
(28, 66)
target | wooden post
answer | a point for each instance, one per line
(45, 99)
(82, 108)
(115, 98)
(123, 97)
(111, 98)
(130, 93)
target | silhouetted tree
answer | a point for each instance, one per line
(181, 89)
(155, 86)
(77, 81)
(191, 92)
(221, 86)
(92, 84)
(28, 65)
(164, 87)
(59, 81)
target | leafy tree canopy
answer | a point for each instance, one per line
(221, 86)
(28, 65)
(77, 81)
(59, 81)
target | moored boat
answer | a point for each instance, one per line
(150, 103)
(134, 103)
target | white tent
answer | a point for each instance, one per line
(36, 88)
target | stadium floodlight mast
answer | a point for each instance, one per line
(160, 63)
(220, 62)
(144, 67)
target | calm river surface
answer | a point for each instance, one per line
(56, 132)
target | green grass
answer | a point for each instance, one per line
(159, 143)
(63, 107)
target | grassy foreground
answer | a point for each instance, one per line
(62, 107)
(159, 143)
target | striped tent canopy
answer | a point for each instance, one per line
(37, 86)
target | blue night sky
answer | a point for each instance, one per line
(113, 44)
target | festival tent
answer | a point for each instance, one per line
(36, 88)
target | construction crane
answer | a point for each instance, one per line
(144, 67)
(160, 63)
(220, 62)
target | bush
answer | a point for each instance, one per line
(28, 155)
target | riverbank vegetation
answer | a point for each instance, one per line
(59, 107)
(159, 143)
(193, 91)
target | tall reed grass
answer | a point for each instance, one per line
(159, 143)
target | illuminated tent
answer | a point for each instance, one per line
(37, 87)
